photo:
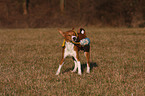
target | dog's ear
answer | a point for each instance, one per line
(62, 33)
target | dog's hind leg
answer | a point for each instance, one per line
(87, 54)
(76, 66)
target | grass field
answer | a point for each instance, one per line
(29, 59)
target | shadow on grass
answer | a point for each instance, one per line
(92, 65)
(83, 66)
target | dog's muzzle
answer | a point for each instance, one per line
(74, 38)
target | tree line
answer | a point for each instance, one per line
(65, 13)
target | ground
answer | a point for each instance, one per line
(29, 59)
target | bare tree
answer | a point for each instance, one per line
(62, 5)
(25, 7)
(78, 5)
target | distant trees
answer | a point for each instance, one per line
(130, 13)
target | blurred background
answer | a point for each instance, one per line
(71, 13)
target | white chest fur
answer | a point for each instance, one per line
(69, 50)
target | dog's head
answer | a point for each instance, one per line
(70, 35)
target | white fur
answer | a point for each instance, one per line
(59, 68)
(88, 68)
(69, 51)
(76, 66)
(82, 31)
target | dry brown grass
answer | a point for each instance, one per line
(29, 59)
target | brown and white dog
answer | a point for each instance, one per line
(71, 47)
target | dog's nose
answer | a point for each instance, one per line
(74, 38)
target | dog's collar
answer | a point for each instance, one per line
(63, 44)
(75, 42)
(76, 33)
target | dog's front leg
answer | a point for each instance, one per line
(60, 65)
(61, 62)
(76, 66)
(79, 68)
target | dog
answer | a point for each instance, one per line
(72, 44)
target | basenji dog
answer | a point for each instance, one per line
(72, 44)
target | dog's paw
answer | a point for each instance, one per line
(80, 74)
(73, 71)
(88, 70)
(57, 73)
